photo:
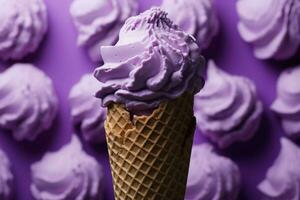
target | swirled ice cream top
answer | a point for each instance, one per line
(152, 61)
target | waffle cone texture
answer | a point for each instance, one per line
(150, 155)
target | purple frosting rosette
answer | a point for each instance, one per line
(271, 26)
(28, 101)
(6, 177)
(211, 177)
(86, 110)
(23, 24)
(196, 17)
(227, 109)
(98, 22)
(283, 177)
(287, 103)
(67, 174)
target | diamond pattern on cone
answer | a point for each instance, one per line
(150, 155)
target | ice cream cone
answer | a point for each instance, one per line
(150, 155)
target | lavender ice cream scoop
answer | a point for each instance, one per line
(196, 17)
(271, 26)
(23, 24)
(99, 21)
(211, 177)
(68, 174)
(86, 109)
(28, 102)
(287, 104)
(227, 109)
(283, 177)
(6, 177)
(152, 61)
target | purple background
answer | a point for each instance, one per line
(65, 63)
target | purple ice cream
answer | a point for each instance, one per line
(283, 177)
(99, 21)
(152, 61)
(287, 103)
(86, 109)
(227, 109)
(211, 177)
(6, 177)
(196, 17)
(28, 102)
(23, 24)
(68, 174)
(271, 26)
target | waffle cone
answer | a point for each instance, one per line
(150, 155)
